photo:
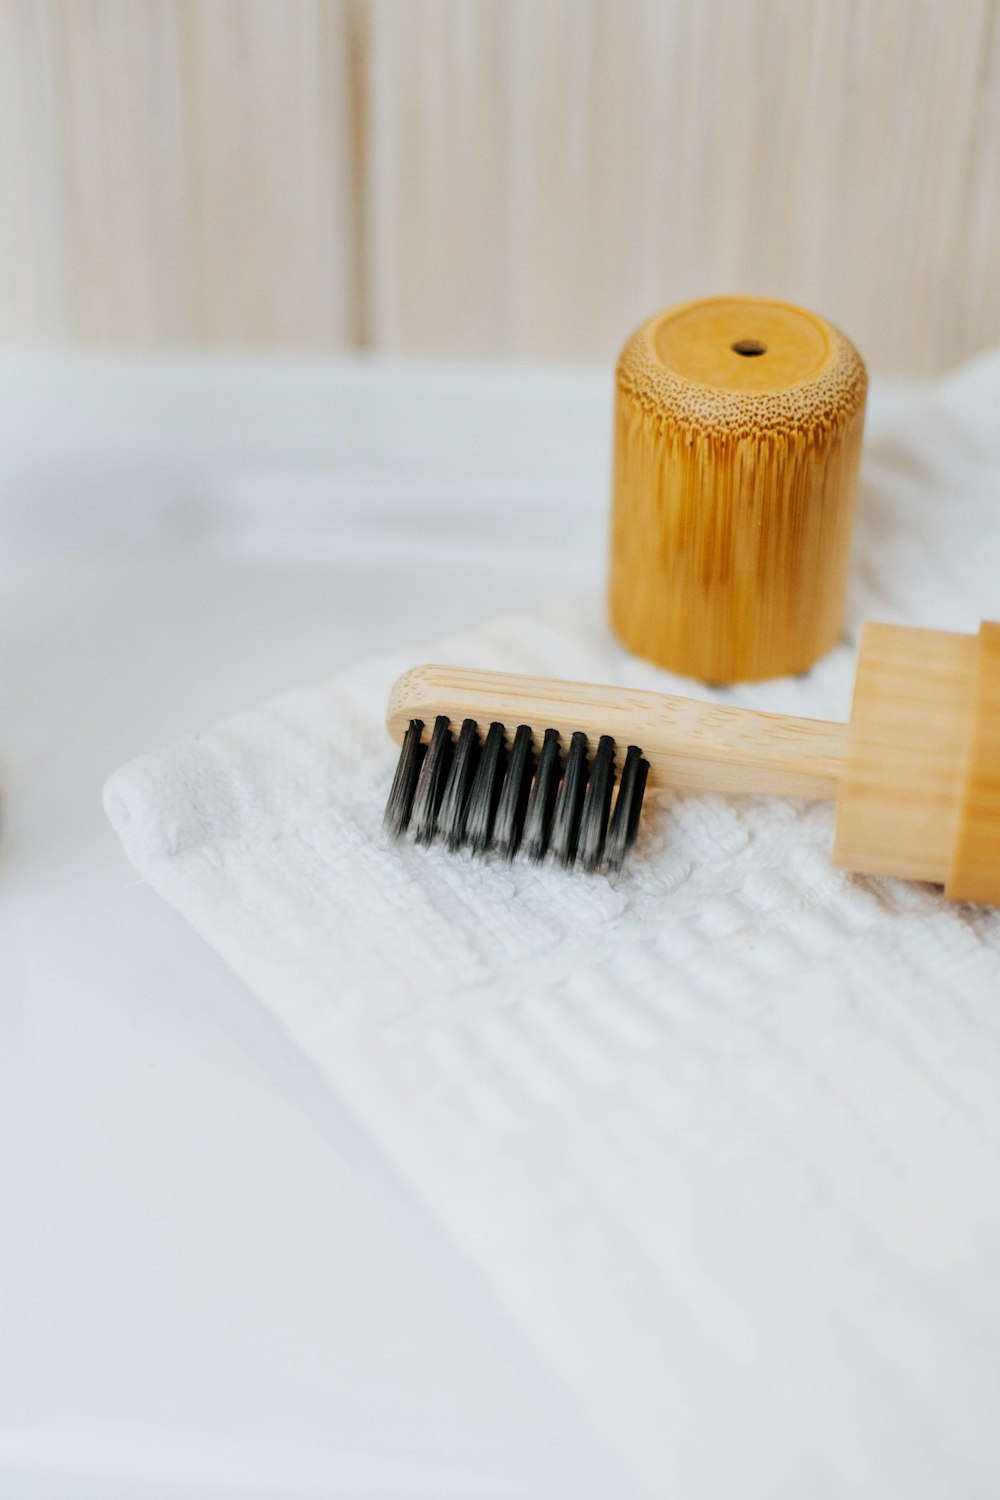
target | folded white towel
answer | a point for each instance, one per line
(722, 1135)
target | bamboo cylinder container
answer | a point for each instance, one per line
(737, 441)
(915, 774)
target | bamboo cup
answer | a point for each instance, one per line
(915, 774)
(737, 441)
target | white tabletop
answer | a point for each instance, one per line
(212, 1284)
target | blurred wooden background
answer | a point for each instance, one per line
(496, 177)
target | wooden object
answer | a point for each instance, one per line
(737, 441)
(920, 784)
(474, 177)
(517, 204)
(916, 773)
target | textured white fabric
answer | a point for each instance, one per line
(723, 1135)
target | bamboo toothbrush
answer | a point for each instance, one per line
(915, 774)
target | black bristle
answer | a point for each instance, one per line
(628, 805)
(404, 784)
(431, 784)
(566, 822)
(541, 801)
(641, 777)
(478, 795)
(485, 794)
(597, 805)
(455, 804)
(508, 824)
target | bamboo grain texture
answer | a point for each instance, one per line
(915, 774)
(900, 813)
(738, 425)
(689, 744)
(976, 857)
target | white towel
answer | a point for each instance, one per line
(723, 1135)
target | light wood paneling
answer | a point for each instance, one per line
(178, 171)
(512, 177)
(544, 174)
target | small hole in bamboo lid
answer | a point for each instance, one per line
(737, 440)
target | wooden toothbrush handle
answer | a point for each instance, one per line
(916, 774)
(689, 744)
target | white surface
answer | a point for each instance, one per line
(211, 1282)
(722, 1133)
